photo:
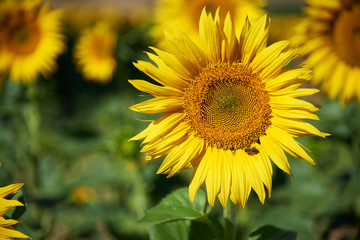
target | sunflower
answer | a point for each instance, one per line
(6, 229)
(30, 39)
(330, 37)
(79, 15)
(184, 14)
(94, 53)
(228, 105)
(282, 26)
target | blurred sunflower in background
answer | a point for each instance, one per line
(228, 105)
(7, 231)
(282, 27)
(79, 15)
(95, 52)
(330, 36)
(30, 39)
(185, 14)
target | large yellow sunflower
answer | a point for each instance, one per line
(330, 36)
(30, 39)
(7, 232)
(94, 53)
(184, 14)
(228, 105)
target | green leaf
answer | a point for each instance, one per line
(176, 206)
(273, 233)
(180, 230)
(16, 212)
(19, 210)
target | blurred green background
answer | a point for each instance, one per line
(67, 140)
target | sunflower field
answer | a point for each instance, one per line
(180, 119)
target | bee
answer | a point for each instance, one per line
(251, 151)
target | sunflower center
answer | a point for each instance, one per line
(103, 46)
(227, 105)
(346, 35)
(23, 37)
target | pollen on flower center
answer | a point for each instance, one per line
(346, 35)
(227, 105)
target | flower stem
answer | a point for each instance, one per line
(213, 228)
(230, 221)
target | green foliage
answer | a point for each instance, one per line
(67, 140)
(177, 206)
(272, 233)
(175, 217)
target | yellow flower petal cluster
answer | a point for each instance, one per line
(7, 232)
(82, 194)
(94, 53)
(228, 108)
(30, 39)
(330, 37)
(185, 14)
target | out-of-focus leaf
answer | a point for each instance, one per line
(200, 230)
(179, 230)
(176, 206)
(273, 233)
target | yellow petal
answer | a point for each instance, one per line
(288, 143)
(297, 127)
(159, 105)
(185, 68)
(301, 92)
(288, 103)
(162, 74)
(7, 233)
(288, 78)
(251, 174)
(199, 173)
(213, 177)
(155, 90)
(256, 39)
(185, 50)
(276, 66)
(194, 148)
(164, 125)
(324, 69)
(227, 159)
(7, 222)
(6, 204)
(144, 133)
(244, 34)
(268, 55)
(232, 50)
(263, 167)
(176, 135)
(295, 113)
(12, 188)
(351, 84)
(336, 82)
(276, 153)
(173, 157)
(240, 186)
(211, 35)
